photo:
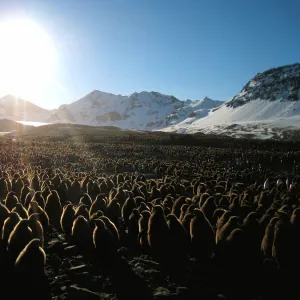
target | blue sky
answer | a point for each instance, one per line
(190, 49)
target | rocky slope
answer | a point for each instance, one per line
(266, 107)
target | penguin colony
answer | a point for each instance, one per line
(222, 222)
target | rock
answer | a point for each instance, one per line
(71, 251)
(56, 247)
(162, 293)
(78, 293)
(55, 262)
(78, 269)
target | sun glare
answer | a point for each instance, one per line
(27, 58)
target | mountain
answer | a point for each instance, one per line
(17, 109)
(143, 111)
(267, 106)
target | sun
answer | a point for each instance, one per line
(28, 57)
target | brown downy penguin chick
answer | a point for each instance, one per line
(30, 272)
(218, 213)
(112, 227)
(143, 231)
(133, 228)
(45, 193)
(98, 204)
(226, 229)
(186, 222)
(3, 189)
(223, 220)
(28, 199)
(208, 208)
(233, 251)
(11, 200)
(143, 206)
(113, 210)
(282, 248)
(39, 199)
(82, 234)
(74, 192)
(105, 244)
(53, 209)
(176, 210)
(4, 213)
(82, 210)
(158, 233)
(178, 238)
(267, 241)
(35, 183)
(41, 215)
(67, 219)
(9, 224)
(37, 229)
(16, 187)
(183, 211)
(95, 216)
(86, 200)
(127, 209)
(25, 190)
(18, 239)
(20, 209)
(31, 260)
(202, 237)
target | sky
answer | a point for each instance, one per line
(186, 48)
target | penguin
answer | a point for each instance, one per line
(86, 200)
(22, 212)
(53, 209)
(143, 231)
(40, 214)
(98, 204)
(105, 244)
(282, 247)
(11, 200)
(187, 221)
(113, 210)
(20, 236)
(183, 210)
(25, 190)
(202, 237)
(82, 234)
(208, 207)
(133, 229)
(9, 224)
(82, 210)
(37, 229)
(4, 213)
(112, 227)
(3, 189)
(158, 233)
(178, 239)
(267, 241)
(35, 183)
(127, 208)
(176, 209)
(38, 197)
(74, 192)
(30, 273)
(67, 219)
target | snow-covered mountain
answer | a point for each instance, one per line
(17, 109)
(143, 111)
(265, 107)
